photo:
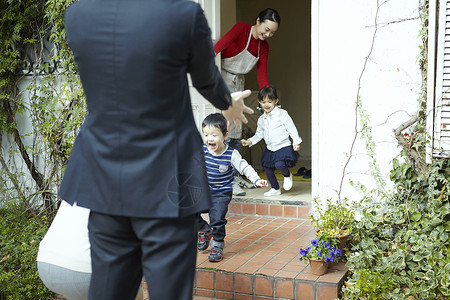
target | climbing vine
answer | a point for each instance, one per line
(42, 107)
(401, 243)
(38, 85)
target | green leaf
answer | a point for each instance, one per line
(434, 234)
(444, 236)
(444, 281)
(426, 268)
(447, 226)
(416, 216)
(436, 221)
(420, 275)
(417, 257)
(415, 248)
(430, 274)
(438, 255)
(412, 239)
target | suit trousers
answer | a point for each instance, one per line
(125, 248)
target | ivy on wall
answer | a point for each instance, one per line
(39, 84)
(42, 107)
(401, 242)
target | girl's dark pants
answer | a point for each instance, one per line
(270, 173)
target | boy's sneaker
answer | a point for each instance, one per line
(203, 240)
(237, 190)
(216, 254)
(287, 183)
(243, 183)
(272, 192)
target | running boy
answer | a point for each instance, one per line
(221, 160)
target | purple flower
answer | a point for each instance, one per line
(319, 253)
(303, 251)
(329, 259)
(327, 245)
(315, 242)
(331, 253)
(338, 252)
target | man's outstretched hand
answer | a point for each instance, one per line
(235, 112)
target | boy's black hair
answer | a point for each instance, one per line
(216, 120)
(268, 91)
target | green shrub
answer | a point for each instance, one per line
(404, 239)
(334, 218)
(20, 234)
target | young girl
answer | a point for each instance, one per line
(275, 126)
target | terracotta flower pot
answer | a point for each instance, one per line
(318, 267)
(342, 241)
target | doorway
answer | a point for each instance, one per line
(289, 66)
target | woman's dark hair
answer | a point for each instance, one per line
(269, 14)
(216, 120)
(268, 91)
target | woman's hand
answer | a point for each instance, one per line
(246, 142)
(235, 112)
(296, 147)
(261, 183)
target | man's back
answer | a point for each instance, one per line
(139, 143)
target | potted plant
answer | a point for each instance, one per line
(334, 218)
(321, 253)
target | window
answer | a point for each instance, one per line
(438, 102)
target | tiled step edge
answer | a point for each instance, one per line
(272, 208)
(232, 285)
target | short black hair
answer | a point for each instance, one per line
(268, 91)
(269, 14)
(216, 120)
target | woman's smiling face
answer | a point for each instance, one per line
(266, 29)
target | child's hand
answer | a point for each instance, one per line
(261, 183)
(246, 142)
(296, 147)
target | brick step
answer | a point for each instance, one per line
(272, 208)
(261, 262)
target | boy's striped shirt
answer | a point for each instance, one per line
(219, 170)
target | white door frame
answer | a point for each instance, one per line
(200, 106)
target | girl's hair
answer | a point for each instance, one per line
(216, 120)
(269, 14)
(268, 91)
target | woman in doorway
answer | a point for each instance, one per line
(243, 47)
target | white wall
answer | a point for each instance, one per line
(11, 153)
(342, 33)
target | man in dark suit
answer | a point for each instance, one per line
(137, 162)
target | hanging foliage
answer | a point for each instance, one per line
(42, 107)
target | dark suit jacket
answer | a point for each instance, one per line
(139, 152)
